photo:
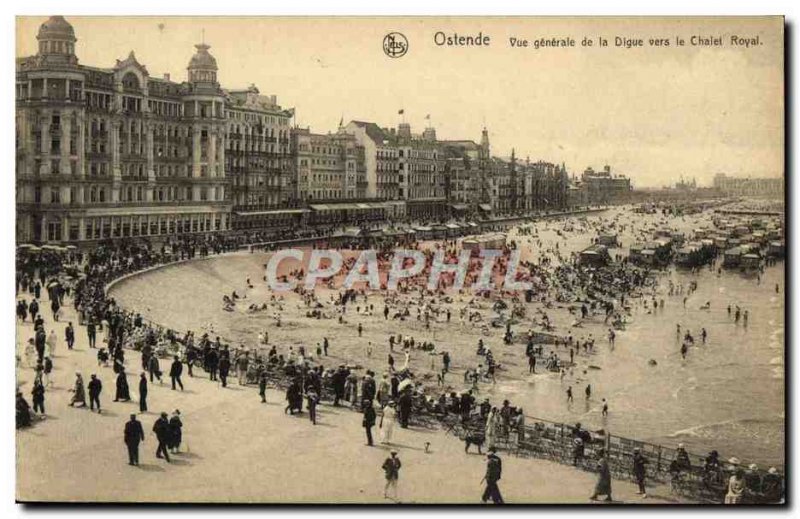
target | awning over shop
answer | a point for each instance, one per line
(272, 212)
(453, 226)
(485, 207)
(350, 232)
(459, 207)
(362, 206)
(423, 229)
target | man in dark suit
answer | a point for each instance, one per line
(405, 408)
(175, 372)
(69, 334)
(143, 392)
(368, 387)
(212, 363)
(162, 430)
(369, 419)
(95, 387)
(92, 333)
(133, 435)
(224, 369)
(494, 470)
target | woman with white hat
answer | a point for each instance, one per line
(736, 485)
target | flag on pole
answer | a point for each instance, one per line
(401, 112)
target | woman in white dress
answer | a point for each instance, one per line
(491, 429)
(52, 342)
(388, 420)
(30, 354)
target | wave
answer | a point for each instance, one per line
(753, 427)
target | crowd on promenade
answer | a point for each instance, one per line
(400, 397)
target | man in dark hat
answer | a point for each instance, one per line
(175, 371)
(262, 387)
(391, 468)
(338, 379)
(639, 470)
(134, 434)
(494, 470)
(224, 367)
(69, 335)
(162, 430)
(404, 404)
(368, 386)
(369, 419)
(95, 387)
(143, 392)
(212, 363)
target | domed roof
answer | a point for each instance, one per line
(202, 59)
(56, 28)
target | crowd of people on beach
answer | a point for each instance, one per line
(397, 398)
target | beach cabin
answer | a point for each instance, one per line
(662, 233)
(700, 234)
(741, 230)
(750, 261)
(776, 249)
(732, 257)
(439, 231)
(453, 230)
(677, 238)
(424, 232)
(488, 241)
(759, 237)
(609, 240)
(721, 242)
(635, 252)
(775, 234)
(709, 247)
(594, 256)
(689, 255)
(648, 257)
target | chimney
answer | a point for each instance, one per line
(166, 76)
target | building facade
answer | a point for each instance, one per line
(259, 158)
(329, 167)
(113, 152)
(602, 187)
(747, 186)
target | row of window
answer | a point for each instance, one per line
(97, 228)
(256, 118)
(101, 194)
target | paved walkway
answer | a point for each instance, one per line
(237, 449)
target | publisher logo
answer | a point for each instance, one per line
(395, 45)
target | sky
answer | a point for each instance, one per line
(654, 114)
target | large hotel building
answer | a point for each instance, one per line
(115, 152)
